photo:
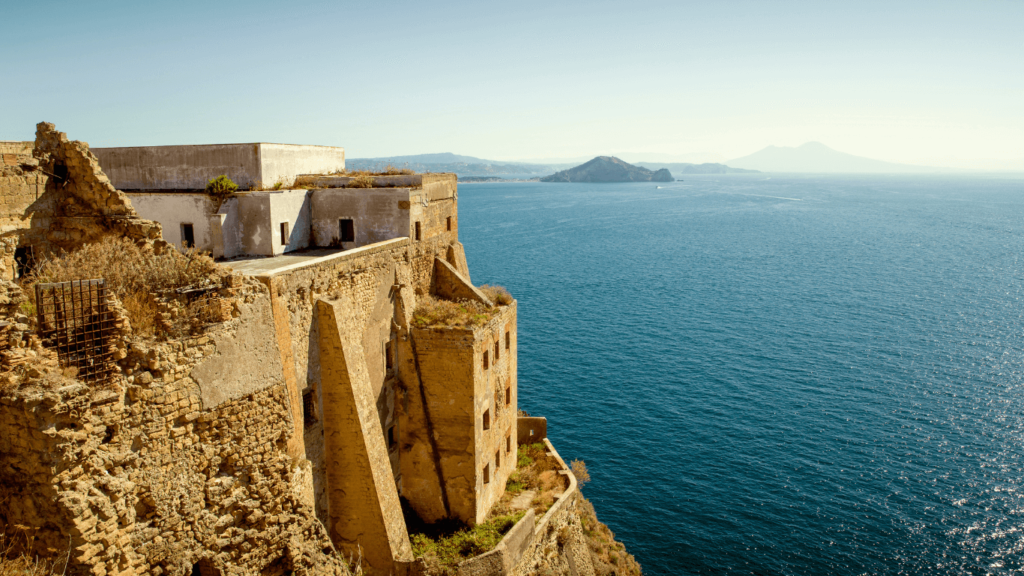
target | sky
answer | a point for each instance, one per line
(931, 83)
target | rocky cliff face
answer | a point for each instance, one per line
(609, 169)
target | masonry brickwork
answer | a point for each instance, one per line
(280, 437)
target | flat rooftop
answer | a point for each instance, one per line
(299, 259)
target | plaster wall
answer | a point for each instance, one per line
(283, 162)
(173, 210)
(293, 207)
(378, 214)
(191, 167)
(179, 167)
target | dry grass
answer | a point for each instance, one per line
(361, 181)
(388, 170)
(136, 275)
(432, 311)
(497, 294)
(537, 471)
(15, 564)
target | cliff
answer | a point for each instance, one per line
(609, 169)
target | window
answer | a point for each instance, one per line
(508, 395)
(487, 473)
(486, 363)
(347, 230)
(496, 351)
(284, 233)
(508, 443)
(417, 231)
(309, 408)
(448, 223)
(391, 437)
(389, 355)
(487, 419)
(497, 460)
(188, 236)
(508, 340)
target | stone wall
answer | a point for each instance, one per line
(154, 474)
(469, 405)
(59, 198)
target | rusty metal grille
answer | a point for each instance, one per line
(76, 320)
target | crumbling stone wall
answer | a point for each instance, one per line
(151, 476)
(54, 195)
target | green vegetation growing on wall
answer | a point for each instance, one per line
(444, 552)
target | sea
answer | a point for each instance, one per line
(772, 374)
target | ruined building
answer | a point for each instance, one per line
(306, 406)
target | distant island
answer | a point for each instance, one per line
(609, 169)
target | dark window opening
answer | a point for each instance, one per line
(24, 260)
(508, 396)
(448, 223)
(487, 419)
(347, 230)
(487, 473)
(309, 408)
(486, 363)
(389, 355)
(391, 437)
(60, 174)
(284, 233)
(497, 352)
(417, 231)
(188, 236)
(204, 568)
(497, 460)
(508, 442)
(508, 340)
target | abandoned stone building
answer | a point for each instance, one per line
(297, 428)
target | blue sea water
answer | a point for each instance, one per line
(794, 375)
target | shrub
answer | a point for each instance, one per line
(497, 294)
(451, 549)
(221, 186)
(579, 470)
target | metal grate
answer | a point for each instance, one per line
(75, 319)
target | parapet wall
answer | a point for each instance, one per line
(191, 167)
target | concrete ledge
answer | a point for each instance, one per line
(381, 181)
(503, 559)
(567, 497)
(531, 429)
(265, 267)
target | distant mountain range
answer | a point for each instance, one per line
(470, 168)
(815, 157)
(687, 168)
(609, 169)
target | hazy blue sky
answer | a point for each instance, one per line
(931, 82)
